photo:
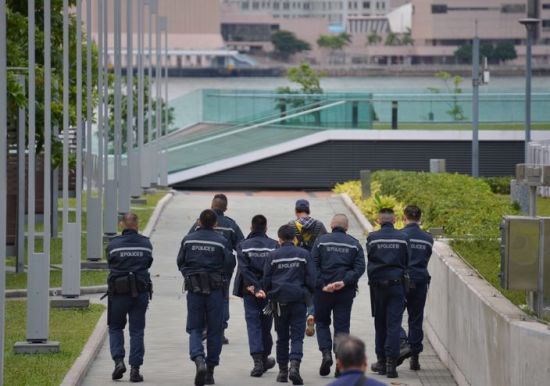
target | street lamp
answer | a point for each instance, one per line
(530, 25)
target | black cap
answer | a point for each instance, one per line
(302, 205)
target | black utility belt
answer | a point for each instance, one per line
(386, 283)
(129, 285)
(204, 283)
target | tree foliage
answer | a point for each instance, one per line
(495, 53)
(373, 39)
(287, 44)
(334, 42)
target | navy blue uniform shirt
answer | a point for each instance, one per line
(338, 257)
(421, 250)
(350, 378)
(227, 227)
(130, 252)
(289, 274)
(388, 254)
(205, 251)
(252, 254)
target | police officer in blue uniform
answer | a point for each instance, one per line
(340, 263)
(204, 259)
(388, 254)
(252, 254)
(289, 281)
(421, 250)
(129, 256)
(229, 229)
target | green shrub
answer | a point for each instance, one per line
(499, 185)
(461, 204)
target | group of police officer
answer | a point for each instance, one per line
(299, 281)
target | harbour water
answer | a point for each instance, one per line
(181, 86)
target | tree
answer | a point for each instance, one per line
(287, 44)
(463, 54)
(392, 40)
(373, 39)
(406, 39)
(505, 51)
(453, 85)
(334, 43)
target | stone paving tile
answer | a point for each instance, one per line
(166, 359)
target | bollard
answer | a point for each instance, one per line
(354, 114)
(437, 166)
(365, 183)
(394, 106)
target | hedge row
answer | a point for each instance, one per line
(461, 204)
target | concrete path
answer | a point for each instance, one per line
(166, 359)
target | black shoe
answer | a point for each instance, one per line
(225, 340)
(404, 353)
(269, 363)
(201, 371)
(294, 373)
(414, 363)
(119, 370)
(283, 373)
(326, 362)
(135, 376)
(391, 368)
(379, 367)
(258, 369)
(209, 379)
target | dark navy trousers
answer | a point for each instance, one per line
(205, 312)
(226, 307)
(123, 308)
(389, 303)
(258, 325)
(416, 300)
(338, 305)
(290, 326)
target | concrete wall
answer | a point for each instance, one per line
(482, 337)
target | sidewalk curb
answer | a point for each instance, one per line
(22, 293)
(80, 367)
(365, 224)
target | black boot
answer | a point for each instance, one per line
(379, 367)
(224, 339)
(326, 362)
(294, 373)
(201, 371)
(119, 370)
(269, 362)
(283, 373)
(391, 368)
(209, 379)
(404, 353)
(414, 363)
(135, 376)
(258, 369)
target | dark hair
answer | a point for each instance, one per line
(259, 223)
(386, 211)
(130, 220)
(286, 233)
(413, 213)
(350, 351)
(219, 202)
(208, 219)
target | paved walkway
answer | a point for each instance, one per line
(166, 359)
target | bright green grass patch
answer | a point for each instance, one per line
(87, 278)
(70, 327)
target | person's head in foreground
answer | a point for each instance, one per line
(351, 354)
(219, 202)
(130, 221)
(386, 216)
(208, 219)
(412, 214)
(286, 234)
(302, 208)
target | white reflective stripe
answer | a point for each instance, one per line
(225, 229)
(289, 259)
(258, 249)
(204, 242)
(388, 241)
(131, 249)
(421, 242)
(340, 245)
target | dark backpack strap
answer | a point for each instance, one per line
(360, 381)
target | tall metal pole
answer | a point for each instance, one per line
(152, 169)
(21, 140)
(158, 105)
(131, 137)
(166, 74)
(3, 181)
(475, 106)
(163, 163)
(144, 178)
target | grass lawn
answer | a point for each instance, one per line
(70, 327)
(87, 278)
